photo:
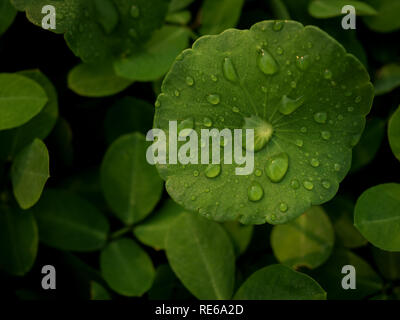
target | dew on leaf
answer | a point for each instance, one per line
(340, 117)
(279, 50)
(277, 166)
(320, 117)
(303, 62)
(283, 207)
(357, 99)
(337, 167)
(184, 126)
(235, 109)
(328, 74)
(295, 184)
(288, 105)
(213, 99)
(303, 129)
(195, 173)
(177, 93)
(293, 84)
(308, 185)
(262, 132)
(267, 63)
(326, 135)
(299, 142)
(258, 172)
(229, 70)
(207, 122)
(326, 184)
(214, 78)
(314, 162)
(213, 170)
(278, 25)
(189, 81)
(255, 191)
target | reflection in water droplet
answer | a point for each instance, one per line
(326, 184)
(235, 109)
(327, 74)
(295, 184)
(255, 191)
(196, 173)
(303, 62)
(184, 126)
(308, 185)
(288, 105)
(207, 122)
(189, 81)
(277, 166)
(135, 12)
(267, 63)
(229, 70)
(320, 117)
(213, 170)
(314, 162)
(258, 172)
(213, 99)
(283, 207)
(326, 135)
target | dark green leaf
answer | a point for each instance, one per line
(387, 18)
(333, 8)
(97, 292)
(240, 235)
(387, 79)
(388, 263)
(7, 15)
(394, 133)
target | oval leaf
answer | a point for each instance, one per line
(130, 184)
(68, 222)
(377, 216)
(305, 123)
(394, 133)
(20, 100)
(7, 15)
(387, 18)
(278, 282)
(127, 268)
(387, 79)
(307, 241)
(333, 8)
(202, 256)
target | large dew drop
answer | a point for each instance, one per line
(267, 63)
(213, 99)
(229, 70)
(288, 105)
(320, 117)
(213, 171)
(277, 166)
(303, 62)
(255, 191)
(262, 132)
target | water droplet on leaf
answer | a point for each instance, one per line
(255, 191)
(213, 99)
(308, 185)
(277, 166)
(267, 63)
(303, 62)
(288, 105)
(189, 81)
(213, 170)
(320, 117)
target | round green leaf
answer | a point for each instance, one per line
(18, 240)
(40, 126)
(97, 292)
(278, 282)
(20, 100)
(377, 216)
(387, 18)
(153, 231)
(131, 186)
(304, 96)
(394, 133)
(68, 222)
(333, 8)
(128, 115)
(29, 173)
(96, 80)
(7, 15)
(306, 241)
(127, 268)
(202, 256)
(387, 79)
(154, 60)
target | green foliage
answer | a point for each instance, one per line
(387, 79)
(7, 15)
(333, 8)
(394, 133)
(386, 19)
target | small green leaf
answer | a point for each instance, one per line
(176, 5)
(127, 268)
(96, 80)
(307, 241)
(130, 184)
(68, 222)
(387, 79)
(153, 231)
(394, 133)
(7, 15)
(278, 282)
(97, 292)
(217, 16)
(333, 8)
(239, 79)
(20, 100)
(18, 240)
(388, 263)
(366, 149)
(181, 17)
(154, 60)
(387, 18)
(40, 126)
(202, 256)
(330, 276)
(377, 216)
(128, 115)
(240, 235)
(340, 210)
(29, 173)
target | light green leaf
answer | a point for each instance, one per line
(394, 133)
(388, 263)
(377, 216)
(340, 210)
(96, 80)
(18, 240)
(333, 8)
(7, 15)
(40, 126)
(202, 256)
(156, 57)
(153, 231)
(364, 152)
(181, 17)
(240, 235)
(130, 184)
(101, 29)
(217, 16)
(278, 282)
(387, 79)
(97, 292)
(330, 276)
(127, 268)
(387, 18)
(68, 222)
(20, 100)
(176, 5)
(29, 173)
(307, 241)
(307, 116)
(128, 115)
